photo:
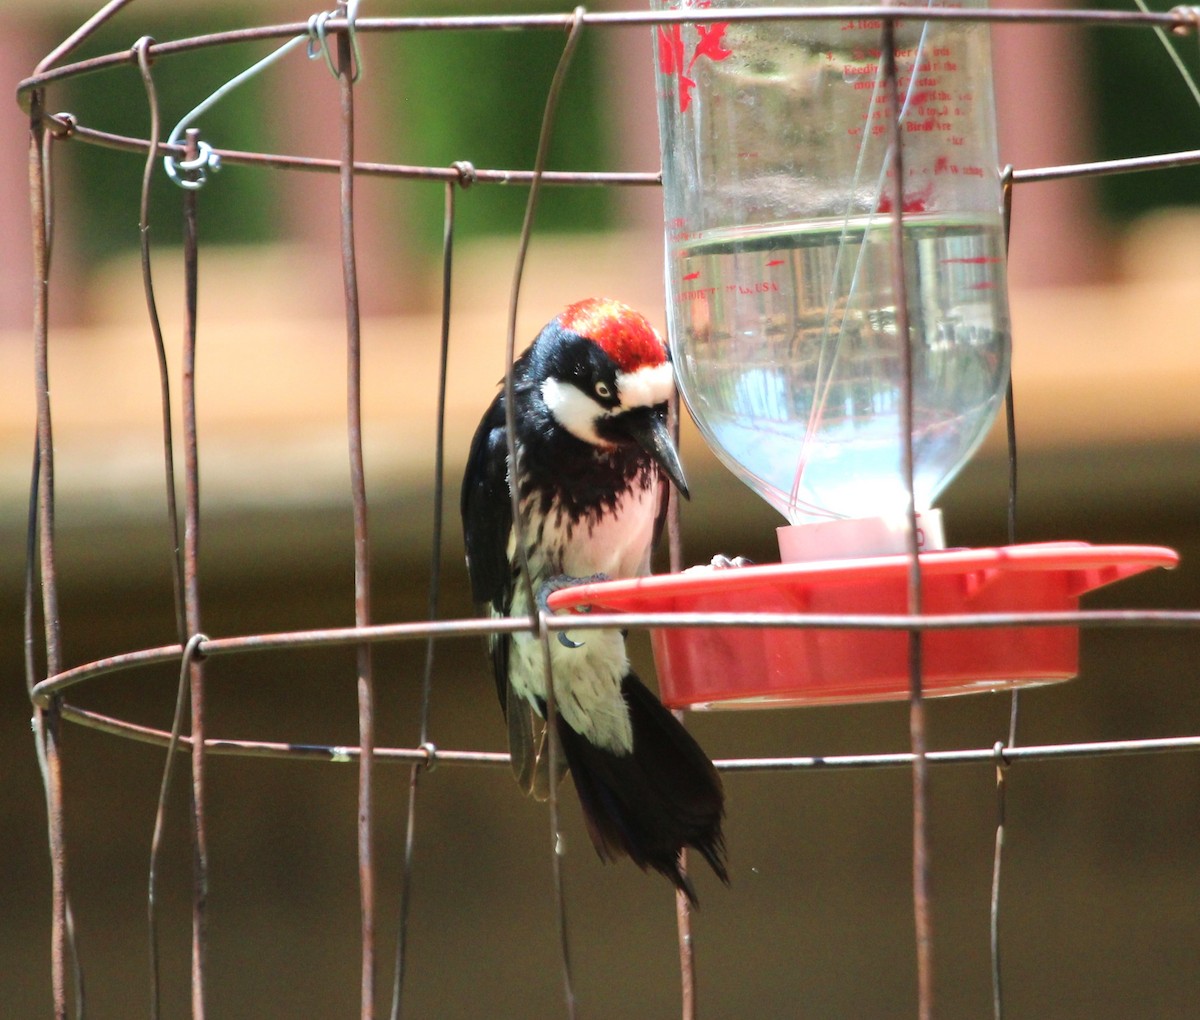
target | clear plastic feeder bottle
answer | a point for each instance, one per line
(782, 311)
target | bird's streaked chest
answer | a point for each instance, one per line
(612, 539)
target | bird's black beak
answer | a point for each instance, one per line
(648, 428)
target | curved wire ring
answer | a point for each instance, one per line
(318, 40)
(1190, 15)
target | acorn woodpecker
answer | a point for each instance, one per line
(594, 465)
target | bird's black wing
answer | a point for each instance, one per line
(487, 511)
(487, 523)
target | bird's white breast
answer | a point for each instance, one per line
(616, 543)
(587, 679)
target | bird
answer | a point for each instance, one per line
(594, 464)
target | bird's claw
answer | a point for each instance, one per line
(559, 581)
(723, 562)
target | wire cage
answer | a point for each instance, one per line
(549, 934)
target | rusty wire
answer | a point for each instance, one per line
(66, 126)
(1014, 706)
(683, 906)
(424, 755)
(191, 587)
(1179, 20)
(164, 793)
(47, 719)
(189, 644)
(45, 690)
(894, 164)
(538, 617)
(193, 647)
(435, 576)
(362, 550)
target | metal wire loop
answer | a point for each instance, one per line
(467, 174)
(140, 50)
(1190, 16)
(207, 159)
(318, 42)
(192, 651)
(318, 39)
(62, 125)
(431, 755)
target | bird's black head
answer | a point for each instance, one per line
(604, 374)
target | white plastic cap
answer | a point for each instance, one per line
(854, 537)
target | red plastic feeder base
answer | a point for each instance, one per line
(729, 667)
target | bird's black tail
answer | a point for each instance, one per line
(653, 802)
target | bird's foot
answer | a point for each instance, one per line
(723, 562)
(559, 581)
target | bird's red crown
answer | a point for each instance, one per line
(625, 335)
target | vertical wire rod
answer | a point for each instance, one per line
(435, 574)
(997, 862)
(1010, 423)
(539, 165)
(164, 793)
(47, 720)
(362, 566)
(920, 779)
(1010, 416)
(72, 947)
(141, 50)
(683, 908)
(1010, 428)
(191, 568)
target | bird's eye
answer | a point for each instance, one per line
(603, 390)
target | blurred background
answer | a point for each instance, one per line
(1101, 903)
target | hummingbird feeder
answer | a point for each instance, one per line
(839, 323)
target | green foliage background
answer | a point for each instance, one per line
(477, 96)
(1143, 107)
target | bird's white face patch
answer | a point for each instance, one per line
(647, 387)
(578, 412)
(574, 410)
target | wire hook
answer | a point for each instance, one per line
(318, 39)
(466, 172)
(1189, 19)
(197, 169)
